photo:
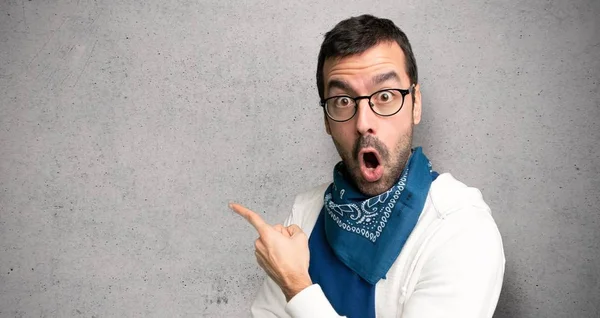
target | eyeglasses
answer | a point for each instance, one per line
(385, 102)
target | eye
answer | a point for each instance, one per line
(384, 97)
(343, 101)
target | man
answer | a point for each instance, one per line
(389, 237)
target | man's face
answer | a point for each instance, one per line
(374, 148)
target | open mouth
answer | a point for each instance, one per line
(371, 166)
(370, 160)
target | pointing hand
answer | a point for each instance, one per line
(281, 251)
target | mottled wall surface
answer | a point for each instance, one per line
(126, 127)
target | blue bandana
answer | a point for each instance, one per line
(367, 234)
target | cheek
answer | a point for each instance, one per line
(393, 132)
(343, 135)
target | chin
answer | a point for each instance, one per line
(372, 189)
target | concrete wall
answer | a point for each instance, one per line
(125, 128)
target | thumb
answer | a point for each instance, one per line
(279, 228)
(294, 230)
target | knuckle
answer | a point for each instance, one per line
(296, 229)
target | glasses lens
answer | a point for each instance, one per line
(341, 107)
(387, 102)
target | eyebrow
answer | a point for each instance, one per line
(335, 83)
(376, 80)
(384, 77)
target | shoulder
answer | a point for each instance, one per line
(313, 194)
(449, 196)
(465, 218)
(307, 206)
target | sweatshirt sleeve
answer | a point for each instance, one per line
(463, 275)
(311, 303)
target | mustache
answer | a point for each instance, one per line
(369, 141)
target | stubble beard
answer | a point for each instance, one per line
(393, 162)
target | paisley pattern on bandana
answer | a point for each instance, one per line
(367, 218)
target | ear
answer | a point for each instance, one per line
(327, 128)
(417, 105)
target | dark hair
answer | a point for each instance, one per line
(358, 34)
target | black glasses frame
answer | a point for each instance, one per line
(356, 99)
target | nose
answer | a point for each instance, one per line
(365, 118)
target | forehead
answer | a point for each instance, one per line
(384, 57)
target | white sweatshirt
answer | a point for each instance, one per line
(451, 266)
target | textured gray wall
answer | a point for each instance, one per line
(126, 128)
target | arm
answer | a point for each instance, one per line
(310, 302)
(462, 276)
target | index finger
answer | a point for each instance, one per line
(249, 215)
